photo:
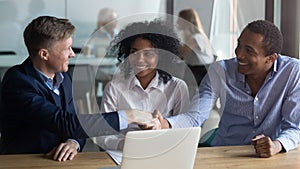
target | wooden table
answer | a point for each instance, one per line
(84, 160)
(244, 157)
(231, 157)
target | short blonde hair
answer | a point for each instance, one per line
(44, 31)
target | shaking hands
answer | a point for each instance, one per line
(146, 120)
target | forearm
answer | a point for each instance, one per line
(110, 142)
(289, 139)
(189, 119)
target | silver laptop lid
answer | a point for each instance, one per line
(169, 148)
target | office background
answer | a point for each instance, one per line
(222, 19)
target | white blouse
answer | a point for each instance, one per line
(122, 93)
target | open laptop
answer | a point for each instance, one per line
(168, 148)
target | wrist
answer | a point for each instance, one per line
(167, 124)
(74, 144)
(278, 146)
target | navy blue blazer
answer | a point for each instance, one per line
(33, 120)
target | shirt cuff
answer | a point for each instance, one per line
(286, 144)
(171, 121)
(76, 143)
(122, 119)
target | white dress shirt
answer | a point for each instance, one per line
(122, 93)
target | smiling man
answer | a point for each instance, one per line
(38, 114)
(259, 91)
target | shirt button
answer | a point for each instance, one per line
(256, 117)
(253, 131)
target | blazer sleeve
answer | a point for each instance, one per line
(27, 99)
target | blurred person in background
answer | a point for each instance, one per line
(196, 49)
(105, 31)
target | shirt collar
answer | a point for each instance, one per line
(59, 77)
(155, 83)
(276, 63)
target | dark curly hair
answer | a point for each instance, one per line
(272, 36)
(158, 32)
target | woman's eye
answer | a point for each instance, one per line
(133, 52)
(150, 53)
(147, 53)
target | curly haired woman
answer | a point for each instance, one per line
(145, 50)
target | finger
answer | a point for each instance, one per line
(260, 146)
(58, 152)
(160, 117)
(156, 124)
(163, 122)
(149, 126)
(72, 155)
(257, 137)
(265, 155)
(156, 114)
(264, 143)
(144, 126)
(66, 155)
(256, 140)
(64, 152)
(263, 150)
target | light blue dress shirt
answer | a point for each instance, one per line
(274, 111)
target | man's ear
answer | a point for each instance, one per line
(271, 58)
(43, 54)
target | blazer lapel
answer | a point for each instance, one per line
(29, 69)
(63, 91)
(56, 98)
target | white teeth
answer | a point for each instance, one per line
(243, 64)
(141, 66)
